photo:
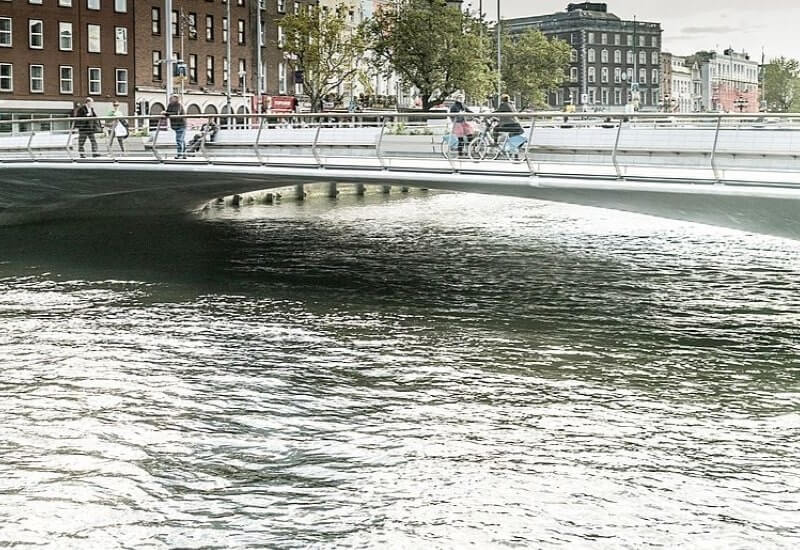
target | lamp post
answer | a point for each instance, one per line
(228, 107)
(499, 58)
(168, 45)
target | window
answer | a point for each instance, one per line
(36, 34)
(64, 36)
(94, 81)
(176, 28)
(5, 32)
(590, 55)
(617, 56)
(192, 24)
(617, 96)
(642, 58)
(225, 29)
(654, 41)
(297, 8)
(65, 3)
(210, 69)
(193, 68)
(225, 71)
(121, 40)
(592, 74)
(604, 38)
(573, 74)
(654, 58)
(629, 39)
(37, 79)
(241, 31)
(210, 28)
(155, 18)
(281, 6)
(93, 34)
(573, 56)
(617, 75)
(65, 79)
(93, 4)
(642, 76)
(641, 40)
(654, 76)
(617, 40)
(157, 66)
(629, 57)
(6, 77)
(121, 6)
(121, 81)
(281, 37)
(590, 38)
(281, 78)
(242, 75)
(592, 95)
(604, 96)
(604, 56)
(604, 75)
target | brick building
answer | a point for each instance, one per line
(614, 65)
(200, 29)
(728, 82)
(55, 53)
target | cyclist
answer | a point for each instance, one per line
(462, 129)
(510, 126)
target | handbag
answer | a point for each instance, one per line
(120, 130)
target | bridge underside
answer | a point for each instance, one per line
(32, 192)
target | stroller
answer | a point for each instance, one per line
(208, 132)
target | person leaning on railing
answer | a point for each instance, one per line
(87, 125)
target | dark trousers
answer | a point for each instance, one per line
(82, 135)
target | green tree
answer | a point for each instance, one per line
(434, 47)
(533, 65)
(326, 48)
(782, 85)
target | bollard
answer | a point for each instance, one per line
(404, 189)
(332, 190)
(236, 200)
(299, 192)
(360, 189)
(386, 189)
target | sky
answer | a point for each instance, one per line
(692, 25)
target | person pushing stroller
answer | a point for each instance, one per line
(208, 132)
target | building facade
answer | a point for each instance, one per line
(614, 64)
(676, 83)
(727, 82)
(55, 53)
(200, 31)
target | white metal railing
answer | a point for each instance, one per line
(711, 147)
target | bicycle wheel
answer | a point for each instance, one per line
(480, 148)
(446, 146)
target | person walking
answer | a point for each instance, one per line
(117, 127)
(175, 114)
(87, 127)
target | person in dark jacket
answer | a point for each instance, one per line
(87, 126)
(461, 128)
(507, 125)
(175, 114)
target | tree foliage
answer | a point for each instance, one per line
(325, 47)
(434, 47)
(782, 85)
(533, 65)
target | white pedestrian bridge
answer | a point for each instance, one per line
(739, 171)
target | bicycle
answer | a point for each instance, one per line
(484, 144)
(449, 146)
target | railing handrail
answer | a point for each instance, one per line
(431, 115)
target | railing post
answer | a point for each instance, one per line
(203, 134)
(155, 142)
(714, 150)
(380, 144)
(258, 138)
(69, 145)
(30, 141)
(616, 148)
(528, 146)
(314, 145)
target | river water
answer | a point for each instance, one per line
(429, 370)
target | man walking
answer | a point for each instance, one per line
(87, 127)
(175, 114)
